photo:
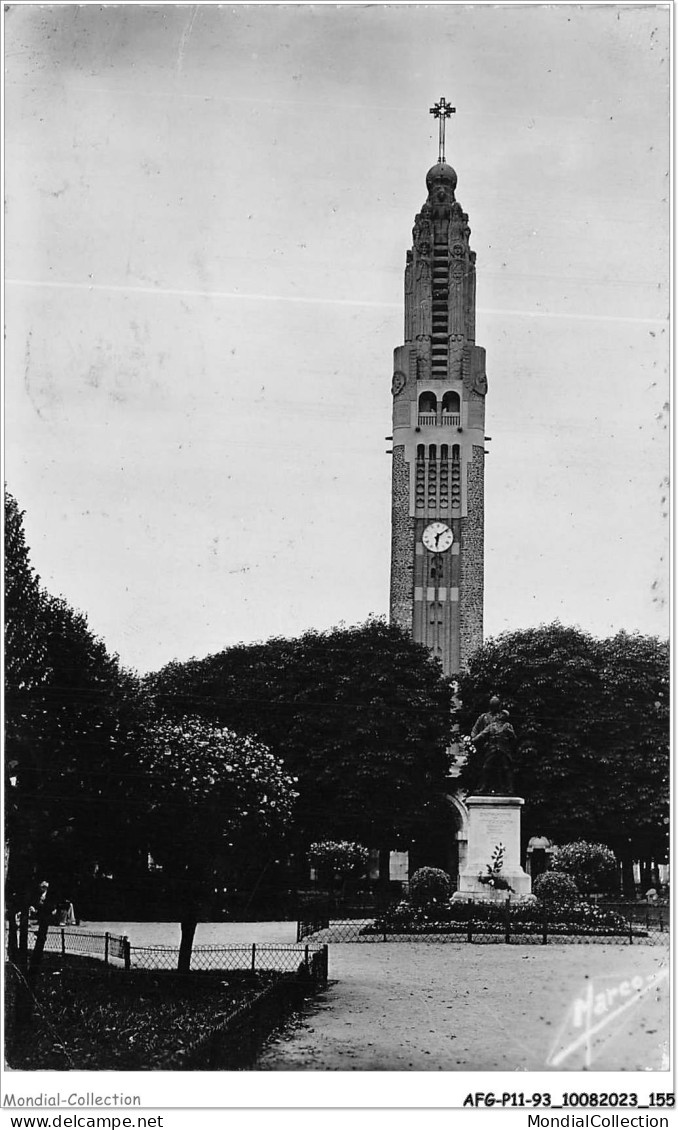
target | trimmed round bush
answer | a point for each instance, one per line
(555, 886)
(592, 866)
(429, 885)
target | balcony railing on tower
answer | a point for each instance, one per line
(442, 418)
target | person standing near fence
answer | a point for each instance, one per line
(67, 913)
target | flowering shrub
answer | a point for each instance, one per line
(340, 856)
(403, 918)
(210, 797)
(556, 886)
(592, 866)
(207, 789)
(585, 918)
(429, 886)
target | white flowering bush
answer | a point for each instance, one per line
(339, 856)
(208, 788)
(207, 796)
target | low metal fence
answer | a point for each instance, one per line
(311, 920)
(236, 1042)
(309, 960)
(114, 949)
(107, 947)
(482, 923)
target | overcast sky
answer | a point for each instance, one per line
(208, 210)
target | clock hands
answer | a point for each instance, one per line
(437, 537)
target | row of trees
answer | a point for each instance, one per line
(592, 718)
(96, 775)
(67, 702)
(262, 749)
(361, 716)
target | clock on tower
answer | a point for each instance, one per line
(438, 388)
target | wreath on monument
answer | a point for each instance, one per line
(494, 877)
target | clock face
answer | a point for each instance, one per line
(398, 382)
(437, 537)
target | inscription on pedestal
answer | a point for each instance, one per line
(499, 825)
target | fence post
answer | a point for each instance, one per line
(630, 931)
(508, 919)
(254, 956)
(306, 956)
(106, 948)
(326, 964)
(63, 943)
(469, 924)
(299, 935)
(545, 926)
(661, 921)
(127, 953)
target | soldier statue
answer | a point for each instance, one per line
(494, 736)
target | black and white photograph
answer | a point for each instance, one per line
(337, 559)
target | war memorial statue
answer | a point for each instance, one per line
(492, 869)
(494, 736)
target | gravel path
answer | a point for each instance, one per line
(458, 1007)
(433, 1007)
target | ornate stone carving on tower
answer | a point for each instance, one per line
(439, 386)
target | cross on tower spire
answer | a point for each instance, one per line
(442, 110)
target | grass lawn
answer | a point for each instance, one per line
(90, 1017)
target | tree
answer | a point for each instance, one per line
(592, 719)
(360, 715)
(64, 731)
(593, 867)
(339, 857)
(24, 646)
(210, 795)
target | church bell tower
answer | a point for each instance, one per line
(439, 387)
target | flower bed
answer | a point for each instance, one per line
(532, 917)
(92, 1018)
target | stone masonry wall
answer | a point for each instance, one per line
(402, 543)
(472, 539)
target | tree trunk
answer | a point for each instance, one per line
(384, 867)
(12, 935)
(28, 977)
(44, 919)
(628, 882)
(22, 956)
(23, 998)
(189, 925)
(384, 875)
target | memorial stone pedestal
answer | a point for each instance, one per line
(493, 821)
